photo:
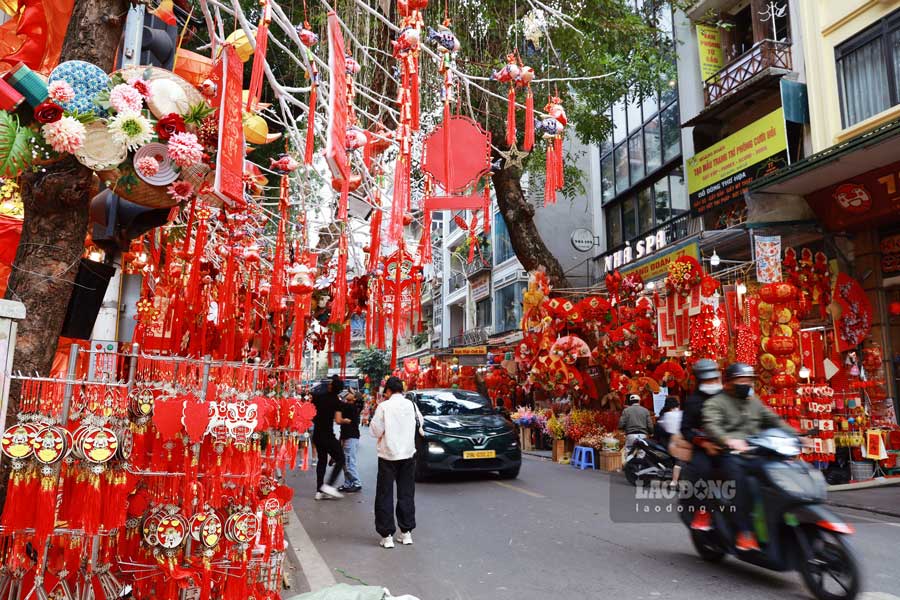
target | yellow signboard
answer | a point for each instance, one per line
(658, 264)
(709, 43)
(722, 172)
(470, 350)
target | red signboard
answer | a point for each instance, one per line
(336, 139)
(229, 182)
(859, 203)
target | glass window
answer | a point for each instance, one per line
(508, 315)
(863, 82)
(607, 144)
(618, 119)
(645, 210)
(651, 106)
(607, 178)
(483, 312)
(614, 226)
(452, 402)
(671, 132)
(503, 249)
(634, 114)
(652, 145)
(629, 219)
(636, 156)
(661, 199)
(680, 201)
(621, 160)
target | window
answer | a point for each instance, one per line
(614, 226)
(483, 313)
(661, 199)
(645, 210)
(508, 315)
(629, 219)
(671, 132)
(634, 114)
(636, 156)
(621, 159)
(652, 146)
(503, 249)
(607, 178)
(868, 70)
(680, 202)
(618, 120)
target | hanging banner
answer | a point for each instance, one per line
(470, 350)
(768, 258)
(229, 182)
(723, 172)
(336, 137)
(709, 44)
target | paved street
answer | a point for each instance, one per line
(547, 534)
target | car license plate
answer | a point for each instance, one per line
(480, 454)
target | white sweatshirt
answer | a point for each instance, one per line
(394, 426)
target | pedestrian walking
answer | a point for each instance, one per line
(350, 410)
(395, 424)
(328, 412)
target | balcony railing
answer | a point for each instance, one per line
(478, 265)
(764, 55)
(457, 281)
(472, 337)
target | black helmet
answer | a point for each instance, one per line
(706, 369)
(739, 370)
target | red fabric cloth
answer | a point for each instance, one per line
(10, 232)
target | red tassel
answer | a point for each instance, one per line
(414, 94)
(424, 251)
(339, 304)
(511, 117)
(486, 207)
(400, 200)
(259, 58)
(310, 126)
(550, 177)
(528, 144)
(375, 238)
(558, 151)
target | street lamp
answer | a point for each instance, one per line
(714, 260)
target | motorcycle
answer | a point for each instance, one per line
(648, 460)
(796, 532)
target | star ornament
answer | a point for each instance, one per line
(513, 157)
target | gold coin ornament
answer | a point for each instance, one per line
(16, 442)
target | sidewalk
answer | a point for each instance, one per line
(881, 499)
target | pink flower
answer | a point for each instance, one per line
(184, 149)
(60, 91)
(181, 190)
(64, 135)
(142, 87)
(125, 99)
(147, 166)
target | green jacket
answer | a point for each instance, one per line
(726, 417)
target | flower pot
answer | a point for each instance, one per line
(525, 439)
(559, 450)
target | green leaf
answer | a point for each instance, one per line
(15, 145)
(197, 113)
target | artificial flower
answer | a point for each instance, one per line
(48, 112)
(169, 125)
(131, 129)
(181, 190)
(147, 166)
(125, 99)
(185, 150)
(60, 91)
(64, 135)
(142, 87)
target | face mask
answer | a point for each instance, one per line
(743, 390)
(710, 388)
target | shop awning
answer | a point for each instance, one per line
(840, 162)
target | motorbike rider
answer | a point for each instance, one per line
(635, 421)
(709, 383)
(729, 418)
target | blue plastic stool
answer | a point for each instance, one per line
(583, 458)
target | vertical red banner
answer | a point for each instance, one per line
(229, 182)
(336, 138)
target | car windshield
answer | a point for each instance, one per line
(452, 402)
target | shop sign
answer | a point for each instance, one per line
(583, 239)
(709, 43)
(469, 350)
(480, 286)
(866, 200)
(425, 361)
(723, 172)
(658, 266)
(644, 247)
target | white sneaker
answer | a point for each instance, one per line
(387, 542)
(330, 491)
(321, 496)
(406, 538)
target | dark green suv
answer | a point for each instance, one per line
(464, 433)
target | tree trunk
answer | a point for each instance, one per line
(519, 216)
(56, 199)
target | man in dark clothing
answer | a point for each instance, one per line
(328, 412)
(351, 407)
(709, 383)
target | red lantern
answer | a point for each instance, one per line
(778, 293)
(783, 380)
(781, 345)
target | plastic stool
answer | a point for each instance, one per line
(583, 458)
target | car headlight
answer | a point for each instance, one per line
(428, 429)
(435, 448)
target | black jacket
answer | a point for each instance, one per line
(692, 419)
